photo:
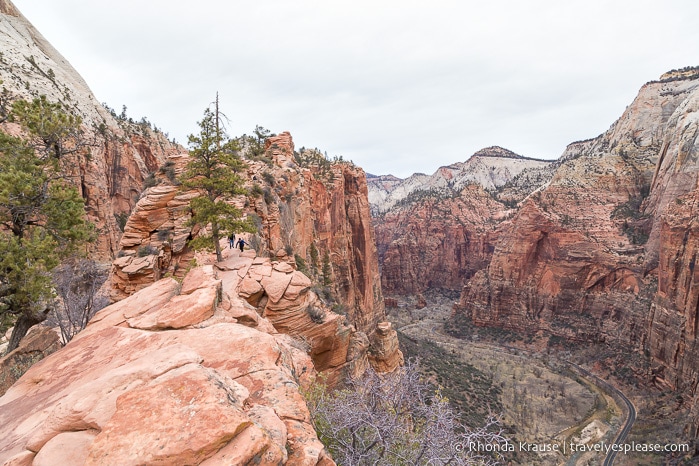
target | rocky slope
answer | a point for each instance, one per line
(437, 231)
(175, 374)
(122, 152)
(605, 251)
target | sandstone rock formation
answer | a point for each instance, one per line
(174, 374)
(122, 152)
(39, 343)
(304, 209)
(583, 235)
(491, 168)
(606, 251)
(298, 212)
(323, 206)
(437, 242)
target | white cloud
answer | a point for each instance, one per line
(396, 86)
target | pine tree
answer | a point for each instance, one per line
(213, 170)
(327, 270)
(52, 130)
(42, 219)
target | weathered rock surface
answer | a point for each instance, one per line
(39, 343)
(323, 206)
(437, 231)
(301, 212)
(490, 168)
(199, 389)
(384, 354)
(437, 242)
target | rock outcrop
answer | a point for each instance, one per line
(322, 206)
(176, 373)
(121, 152)
(311, 211)
(299, 213)
(437, 242)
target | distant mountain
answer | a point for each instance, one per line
(491, 168)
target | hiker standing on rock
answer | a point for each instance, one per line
(231, 241)
(242, 243)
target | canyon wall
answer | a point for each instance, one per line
(437, 242)
(304, 214)
(437, 231)
(606, 251)
(118, 153)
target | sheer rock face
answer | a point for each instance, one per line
(437, 231)
(606, 251)
(122, 153)
(167, 375)
(325, 208)
(437, 242)
(334, 217)
(672, 339)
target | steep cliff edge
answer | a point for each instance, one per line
(313, 220)
(121, 152)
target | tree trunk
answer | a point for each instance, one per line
(217, 242)
(22, 326)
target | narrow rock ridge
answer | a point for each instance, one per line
(301, 211)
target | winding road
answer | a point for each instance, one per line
(602, 384)
(630, 416)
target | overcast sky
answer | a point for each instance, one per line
(396, 86)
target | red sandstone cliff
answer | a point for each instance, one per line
(437, 231)
(437, 242)
(606, 251)
(300, 207)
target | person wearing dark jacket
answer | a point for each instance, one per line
(242, 243)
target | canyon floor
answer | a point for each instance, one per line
(537, 387)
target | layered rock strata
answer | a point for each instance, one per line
(437, 231)
(303, 210)
(437, 242)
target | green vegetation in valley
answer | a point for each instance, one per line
(470, 391)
